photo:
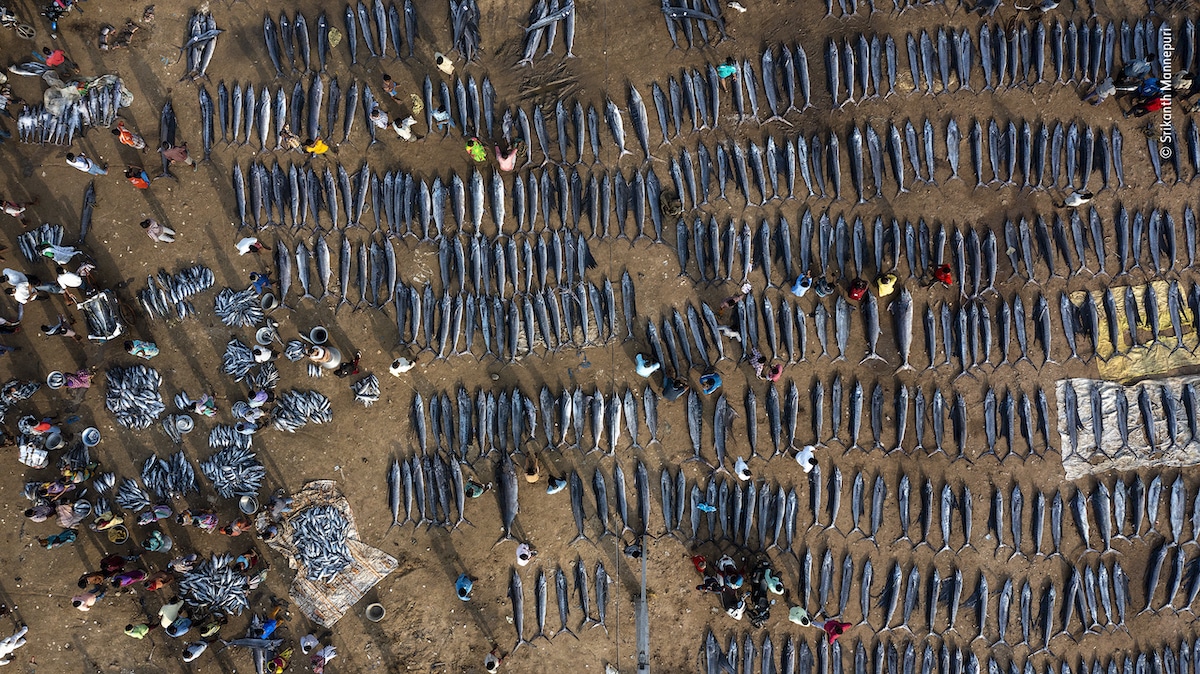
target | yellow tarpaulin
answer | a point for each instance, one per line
(1125, 361)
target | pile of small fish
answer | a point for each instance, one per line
(437, 485)
(29, 241)
(238, 359)
(238, 308)
(170, 425)
(366, 390)
(682, 16)
(133, 396)
(234, 471)
(130, 496)
(13, 392)
(543, 21)
(319, 537)
(202, 42)
(171, 292)
(297, 408)
(265, 377)
(295, 350)
(169, 479)
(464, 21)
(215, 585)
(516, 593)
(223, 435)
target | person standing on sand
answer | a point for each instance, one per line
(177, 154)
(833, 628)
(158, 232)
(82, 163)
(128, 137)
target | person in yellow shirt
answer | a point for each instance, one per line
(315, 147)
(886, 284)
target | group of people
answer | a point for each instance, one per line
(747, 593)
(1145, 92)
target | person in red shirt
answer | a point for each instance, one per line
(128, 137)
(833, 629)
(942, 273)
(138, 176)
(53, 59)
(1147, 106)
(858, 288)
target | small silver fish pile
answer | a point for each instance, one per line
(296, 408)
(29, 241)
(170, 424)
(319, 536)
(76, 458)
(314, 371)
(464, 18)
(104, 482)
(39, 125)
(238, 308)
(15, 391)
(133, 396)
(234, 471)
(238, 359)
(295, 350)
(366, 390)
(131, 496)
(265, 377)
(202, 42)
(225, 436)
(170, 293)
(214, 585)
(173, 478)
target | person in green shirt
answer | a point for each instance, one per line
(477, 150)
(138, 631)
(727, 70)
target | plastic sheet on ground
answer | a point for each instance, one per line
(1086, 457)
(1126, 361)
(326, 602)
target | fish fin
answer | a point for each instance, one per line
(581, 537)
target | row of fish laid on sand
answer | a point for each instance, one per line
(797, 655)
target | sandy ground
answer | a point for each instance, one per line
(426, 628)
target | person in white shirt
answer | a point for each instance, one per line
(250, 244)
(805, 458)
(379, 118)
(1077, 199)
(86, 165)
(403, 128)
